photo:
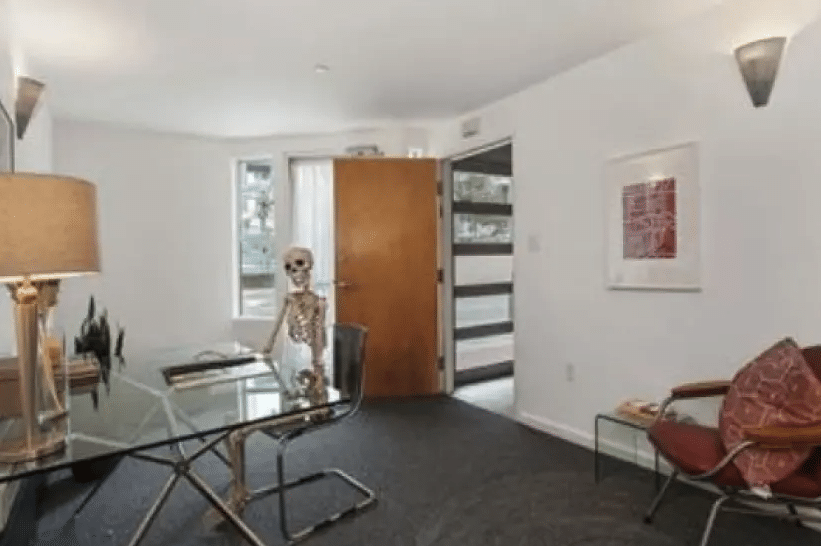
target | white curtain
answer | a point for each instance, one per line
(312, 192)
(312, 224)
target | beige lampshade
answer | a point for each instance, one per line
(48, 227)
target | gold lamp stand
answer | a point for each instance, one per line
(32, 443)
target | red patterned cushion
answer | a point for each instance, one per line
(777, 388)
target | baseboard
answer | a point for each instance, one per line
(643, 458)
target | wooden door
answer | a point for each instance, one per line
(386, 214)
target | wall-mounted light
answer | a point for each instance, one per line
(28, 94)
(759, 63)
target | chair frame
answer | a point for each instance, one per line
(283, 439)
(743, 498)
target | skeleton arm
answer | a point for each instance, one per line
(318, 341)
(318, 394)
(269, 346)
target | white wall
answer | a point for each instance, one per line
(165, 232)
(761, 230)
(35, 152)
(6, 94)
(165, 206)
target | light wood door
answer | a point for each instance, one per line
(386, 214)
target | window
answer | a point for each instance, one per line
(255, 229)
(469, 187)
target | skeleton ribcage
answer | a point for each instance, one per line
(299, 329)
(301, 321)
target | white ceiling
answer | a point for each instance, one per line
(246, 67)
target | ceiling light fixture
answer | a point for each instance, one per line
(759, 63)
(321, 68)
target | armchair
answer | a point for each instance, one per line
(698, 453)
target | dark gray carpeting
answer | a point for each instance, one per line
(446, 473)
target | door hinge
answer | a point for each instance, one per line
(440, 275)
(440, 189)
(441, 362)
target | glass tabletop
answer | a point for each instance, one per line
(172, 397)
(626, 419)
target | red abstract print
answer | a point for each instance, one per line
(650, 220)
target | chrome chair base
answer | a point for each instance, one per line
(281, 487)
(742, 500)
(294, 537)
(648, 518)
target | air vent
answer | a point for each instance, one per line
(471, 127)
(364, 151)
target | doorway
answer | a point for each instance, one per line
(481, 236)
(371, 224)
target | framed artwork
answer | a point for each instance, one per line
(652, 215)
(6, 140)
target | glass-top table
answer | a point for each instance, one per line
(144, 404)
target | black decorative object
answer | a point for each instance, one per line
(95, 338)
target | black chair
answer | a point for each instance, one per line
(348, 359)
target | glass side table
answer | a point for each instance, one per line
(627, 421)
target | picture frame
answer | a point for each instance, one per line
(652, 217)
(6, 140)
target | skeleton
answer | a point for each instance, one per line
(303, 312)
(303, 309)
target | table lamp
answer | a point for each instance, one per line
(48, 231)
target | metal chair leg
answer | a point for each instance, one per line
(648, 518)
(711, 520)
(795, 516)
(283, 519)
(282, 487)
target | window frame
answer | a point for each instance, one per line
(237, 169)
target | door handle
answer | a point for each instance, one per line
(343, 284)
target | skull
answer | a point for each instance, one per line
(298, 264)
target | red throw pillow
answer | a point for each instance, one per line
(777, 388)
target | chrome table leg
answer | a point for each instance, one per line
(648, 518)
(149, 518)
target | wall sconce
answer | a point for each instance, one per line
(759, 63)
(28, 94)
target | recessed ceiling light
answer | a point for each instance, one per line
(321, 68)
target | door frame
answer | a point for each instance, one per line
(449, 259)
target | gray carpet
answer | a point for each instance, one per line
(446, 473)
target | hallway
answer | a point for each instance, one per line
(496, 395)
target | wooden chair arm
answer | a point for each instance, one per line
(701, 389)
(785, 436)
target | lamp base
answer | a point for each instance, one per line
(18, 451)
